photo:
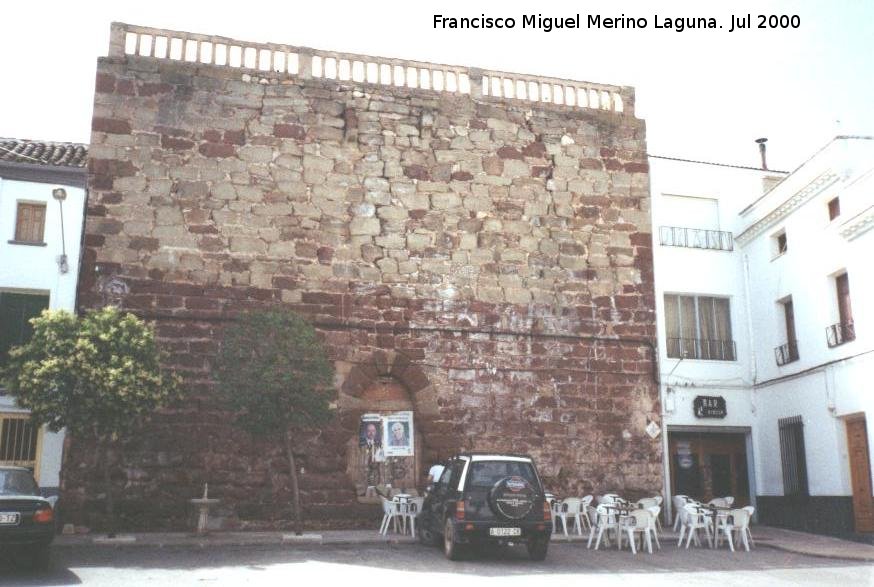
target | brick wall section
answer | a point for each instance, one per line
(422, 233)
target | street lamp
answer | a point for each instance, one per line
(60, 194)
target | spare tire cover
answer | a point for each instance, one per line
(512, 497)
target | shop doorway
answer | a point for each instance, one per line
(705, 465)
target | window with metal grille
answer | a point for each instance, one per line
(19, 441)
(30, 223)
(792, 455)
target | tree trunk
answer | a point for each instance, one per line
(107, 481)
(295, 491)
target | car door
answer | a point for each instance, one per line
(436, 503)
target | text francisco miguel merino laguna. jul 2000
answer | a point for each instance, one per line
(729, 23)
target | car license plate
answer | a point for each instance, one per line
(505, 531)
(9, 518)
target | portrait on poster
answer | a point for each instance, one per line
(370, 431)
(398, 434)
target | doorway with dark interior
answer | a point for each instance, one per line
(705, 465)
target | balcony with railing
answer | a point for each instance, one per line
(696, 238)
(786, 353)
(280, 60)
(701, 349)
(838, 334)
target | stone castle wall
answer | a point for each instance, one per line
(492, 256)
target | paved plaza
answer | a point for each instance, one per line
(412, 564)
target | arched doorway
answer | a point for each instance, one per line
(366, 466)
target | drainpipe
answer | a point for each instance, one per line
(751, 443)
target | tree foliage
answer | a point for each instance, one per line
(273, 372)
(96, 374)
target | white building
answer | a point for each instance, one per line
(40, 244)
(764, 339)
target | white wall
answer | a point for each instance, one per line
(824, 384)
(702, 272)
(34, 269)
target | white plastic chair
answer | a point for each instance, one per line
(638, 522)
(650, 502)
(571, 507)
(607, 498)
(410, 511)
(722, 502)
(390, 515)
(655, 511)
(692, 520)
(678, 501)
(737, 523)
(606, 521)
(585, 504)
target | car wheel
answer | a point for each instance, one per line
(451, 548)
(426, 536)
(537, 548)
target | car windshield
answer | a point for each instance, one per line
(484, 474)
(16, 482)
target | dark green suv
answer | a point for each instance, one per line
(487, 498)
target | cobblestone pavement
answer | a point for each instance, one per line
(403, 564)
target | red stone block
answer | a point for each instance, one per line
(110, 125)
(216, 150)
(509, 153)
(234, 137)
(612, 164)
(289, 131)
(417, 172)
(151, 89)
(176, 144)
(125, 87)
(535, 149)
(462, 176)
(105, 83)
(637, 167)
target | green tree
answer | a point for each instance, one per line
(274, 374)
(97, 375)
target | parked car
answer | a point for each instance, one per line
(486, 498)
(27, 520)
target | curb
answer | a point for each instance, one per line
(793, 550)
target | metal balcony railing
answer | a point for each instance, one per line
(696, 238)
(838, 334)
(786, 353)
(704, 349)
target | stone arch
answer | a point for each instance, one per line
(387, 381)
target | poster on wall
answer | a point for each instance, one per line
(398, 433)
(370, 431)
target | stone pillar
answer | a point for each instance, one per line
(116, 39)
(304, 65)
(475, 76)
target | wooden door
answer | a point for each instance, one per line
(860, 474)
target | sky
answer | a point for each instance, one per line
(705, 94)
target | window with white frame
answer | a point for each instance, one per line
(698, 327)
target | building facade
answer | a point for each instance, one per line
(40, 246)
(763, 354)
(474, 248)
